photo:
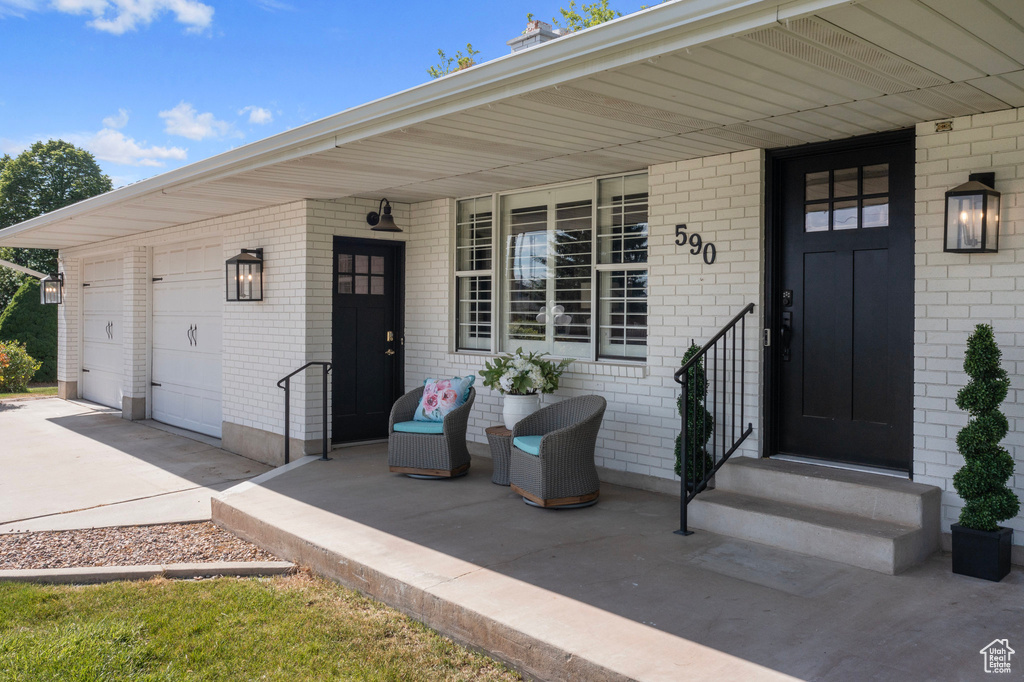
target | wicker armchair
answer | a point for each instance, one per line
(563, 474)
(442, 455)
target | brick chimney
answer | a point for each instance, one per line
(536, 32)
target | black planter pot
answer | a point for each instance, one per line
(982, 553)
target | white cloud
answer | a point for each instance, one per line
(17, 8)
(14, 147)
(114, 146)
(117, 122)
(184, 121)
(275, 6)
(257, 115)
(120, 16)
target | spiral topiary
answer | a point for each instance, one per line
(981, 482)
(698, 419)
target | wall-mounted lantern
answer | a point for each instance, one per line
(972, 216)
(381, 220)
(51, 289)
(244, 276)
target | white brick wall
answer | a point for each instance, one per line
(954, 292)
(720, 197)
(135, 319)
(68, 320)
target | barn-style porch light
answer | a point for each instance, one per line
(381, 220)
(972, 216)
(51, 289)
(244, 276)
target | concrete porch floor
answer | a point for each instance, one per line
(610, 592)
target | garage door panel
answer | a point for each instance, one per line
(103, 271)
(187, 307)
(171, 333)
(104, 357)
(102, 387)
(103, 330)
(102, 335)
(202, 260)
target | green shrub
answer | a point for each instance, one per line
(16, 367)
(28, 321)
(981, 482)
(699, 422)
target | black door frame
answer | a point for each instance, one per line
(774, 159)
(398, 247)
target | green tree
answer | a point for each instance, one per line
(449, 65)
(47, 176)
(981, 482)
(28, 322)
(593, 14)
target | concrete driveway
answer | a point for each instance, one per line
(67, 465)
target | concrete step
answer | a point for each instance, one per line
(872, 496)
(882, 546)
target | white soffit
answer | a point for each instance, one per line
(680, 80)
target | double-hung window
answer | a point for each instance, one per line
(571, 267)
(474, 273)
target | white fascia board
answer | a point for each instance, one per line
(647, 34)
(21, 268)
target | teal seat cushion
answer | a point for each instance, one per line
(528, 444)
(419, 427)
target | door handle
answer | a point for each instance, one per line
(389, 351)
(786, 334)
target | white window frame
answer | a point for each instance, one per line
(496, 272)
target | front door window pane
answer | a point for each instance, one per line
(844, 215)
(844, 183)
(876, 179)
(816, 186)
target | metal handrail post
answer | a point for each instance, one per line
(323, 446)
(683, 460)
(287, 419)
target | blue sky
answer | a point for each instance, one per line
(151, 85)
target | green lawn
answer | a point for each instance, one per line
(289, 628)
(32, 391)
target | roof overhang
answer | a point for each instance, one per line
(680, 80)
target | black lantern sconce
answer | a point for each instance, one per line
(244, 276)
(51, 289)
(381, 220)
(972, 216)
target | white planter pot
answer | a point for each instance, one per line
(519, 406)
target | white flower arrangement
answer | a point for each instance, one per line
(523, 373)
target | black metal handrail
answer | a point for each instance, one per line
(286, 384)
(715, 394)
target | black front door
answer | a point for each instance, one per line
(843, 303)
(367, 353)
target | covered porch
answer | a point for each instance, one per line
(609, 592)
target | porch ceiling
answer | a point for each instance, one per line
(680, 80)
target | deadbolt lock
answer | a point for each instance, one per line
(390, 336)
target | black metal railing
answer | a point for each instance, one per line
(286, 384)
(713, 382)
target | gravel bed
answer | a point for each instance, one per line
(126, 546)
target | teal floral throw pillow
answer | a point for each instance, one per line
(441, 396)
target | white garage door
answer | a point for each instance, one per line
(102, 352)
(188, 295)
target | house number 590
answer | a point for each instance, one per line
(696, 244)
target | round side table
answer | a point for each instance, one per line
(500, 440)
